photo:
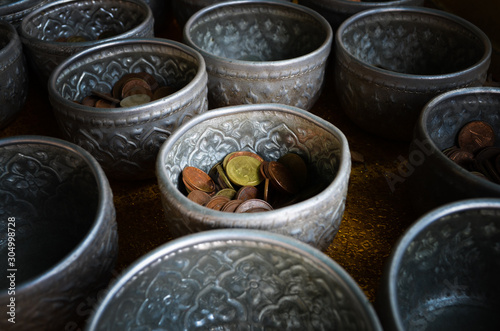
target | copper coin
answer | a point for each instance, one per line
(461, 157)
(475, 136)
(90, 100)
(136, 86)
(243, 153)
(199, 197)
(76, 39)
(217, 202)
(231, 206)
(296, 166)
(101, 103)
(148, 78)
(281, 178)
(253, 204)
(117, 87)
(247, 192)
(263, 169)
(198, 179)
(266, 190)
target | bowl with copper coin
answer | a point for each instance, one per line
(455, 152)
(58, 29)
(442, 273)
(58, 233)
(262, 166)
(122, 99)
(391, 61)
(261, 52)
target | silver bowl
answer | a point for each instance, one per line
(337, 11)
(42, 29)
(58, 233)
(13, 11)
(269, 130)
(433, 179)
(390, 61)
(261, 52)
(13, 74)
(125, 140)
(235, 280)
(443, 272)
(184, 9)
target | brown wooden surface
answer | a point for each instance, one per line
(375, 215)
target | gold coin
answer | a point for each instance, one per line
(227, 192)
(135, 100)
(244, 171)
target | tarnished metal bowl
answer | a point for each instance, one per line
(13, 11)
(13, 74)
(62, 28)
(337, 11)
(434, 179)
(390, 62)
(261, 52)
(125, 140)
(58, 236)
(235, 280)
(270, 131)
(443, 272)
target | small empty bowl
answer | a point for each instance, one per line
(234, 280)
(58, 234)
(126, 139)
(443, 272)
(390, 62)
(261, 52)
(270, 131)
(62, 28)
(13, 74)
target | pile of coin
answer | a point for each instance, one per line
(244, 183)
(475, 150)
(132, 89)
(80, 38)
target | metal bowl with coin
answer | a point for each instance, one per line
(13, 74)
(443, 272)
(337, 11)
(13, 11)
(62, 28)
(235, 279)
(454, 150)
(270, 131)
(261, 52)
(121, 100)
(58, 235)
(390, 62)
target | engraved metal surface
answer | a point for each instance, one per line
(125, 140)
(390, 62)
(13, 74)
(235, 280)
(65, 231)
(270, 131)
(443, 273)
(14, 11)
(41, 28)
(261, 52)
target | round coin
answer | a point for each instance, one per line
(199, 197)
(198, 179)
(136, 86)
(281, 178)
(228, 192)
(247, 192)
(253, 204)
(296, 166)
(244, 170)
(476, 135)
(231, 206)
(135, 100)
(217, 202)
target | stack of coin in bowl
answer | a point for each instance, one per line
(475, 150)
(132, 89)
(243, 183)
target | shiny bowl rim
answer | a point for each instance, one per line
(360, 5)
(20, 5)
(260, 236)
(396, 256)
(184, 92)
(105, 198)
(250, 219)
(324, 47)
(84, 44)
(13, 45)
(484, 61)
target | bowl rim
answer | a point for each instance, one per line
(361, 5)
(388, 285)
(289, 243)
(250, 220)
(40, 11)
(451, 77)
(259, 65)
(13, 45)
(105, 199)
(423, 133)
(184, 92)
(20, 5)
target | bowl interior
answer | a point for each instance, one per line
(89, 19)
(52, 195)
(233, 282)
(100, 69)
(256, 32)
(266, 132)
(447, 277)
(5, 38)
(412, 42)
